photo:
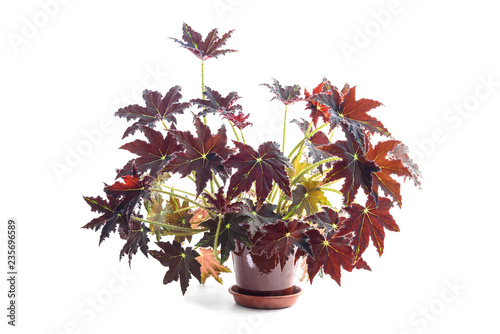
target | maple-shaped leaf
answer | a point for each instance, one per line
(382, 155)
(330, 253)
(204, 49)
(130, 190)
(282, 238)
(110, 218)
(308, 196)
(230, 232)
(328, 219)
(239, 120)
(287, 95)
(401, 152)
(263, 166)
(203, 154)
(368, 222)
(157, 108)
(209, 265)
(219, 203)
(181, 263)
(137, 238)
(257, 217)
(353, 166)
(179, 215)
(153, 154)
(318, 110)
(215, 103)
(356, 111)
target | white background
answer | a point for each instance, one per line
(89, 58)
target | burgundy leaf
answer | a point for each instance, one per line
(287, 95)
(204, 49)
(262, 167)
(215, 103)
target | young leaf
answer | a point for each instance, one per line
(210, 266)
(131, 190)
(353, 166)
(308, 196)
(262, 167)
(287, 95)
(239, 120)
(157, 108)
(281, 238)
(215, 103)
(179, 216)
(330, 253)
(203, 154)
(367, 223)
(154, 154)
(157, 213)
(204, 49)
(382, 155)
(137, 238)
(181, 263)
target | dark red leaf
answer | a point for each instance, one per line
(382, 155)
(330, 253)
(220, 204)
(257, 217)
(327, 218)
(204, 49)
(137, 238)
(367, 223)
(154, 154)
(287, 95)
(130, 190)
(262, 167)
(157, 108)
(282, 239)
(230, 232)
(354, 167)
(203, 154)
(179, 217)
(239, 120)
(215, 103)
(181, 263)
(318, 110)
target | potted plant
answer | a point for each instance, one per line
(272, 207)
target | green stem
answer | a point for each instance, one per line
(215, 179)
(305, 138)
(185, 209)
(284, 128)
(302, 146)
(181, 191)
(203, 86)
(169, 227)
(216, 241)
(235, 133)
(184, 198)
(310, 168)
(331, 189)
(242, 137)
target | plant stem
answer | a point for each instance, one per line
(185, 209)
(216, 241)
(172, 227)
(331, 189)
(182, 191)
(284, 128)
(184, 198)
(242, 137)
(235, 133)
(305, 138)
(203, 86)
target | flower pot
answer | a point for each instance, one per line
(260, 282)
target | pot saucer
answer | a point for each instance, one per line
(265, 302)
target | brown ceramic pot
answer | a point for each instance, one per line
(259, 276)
